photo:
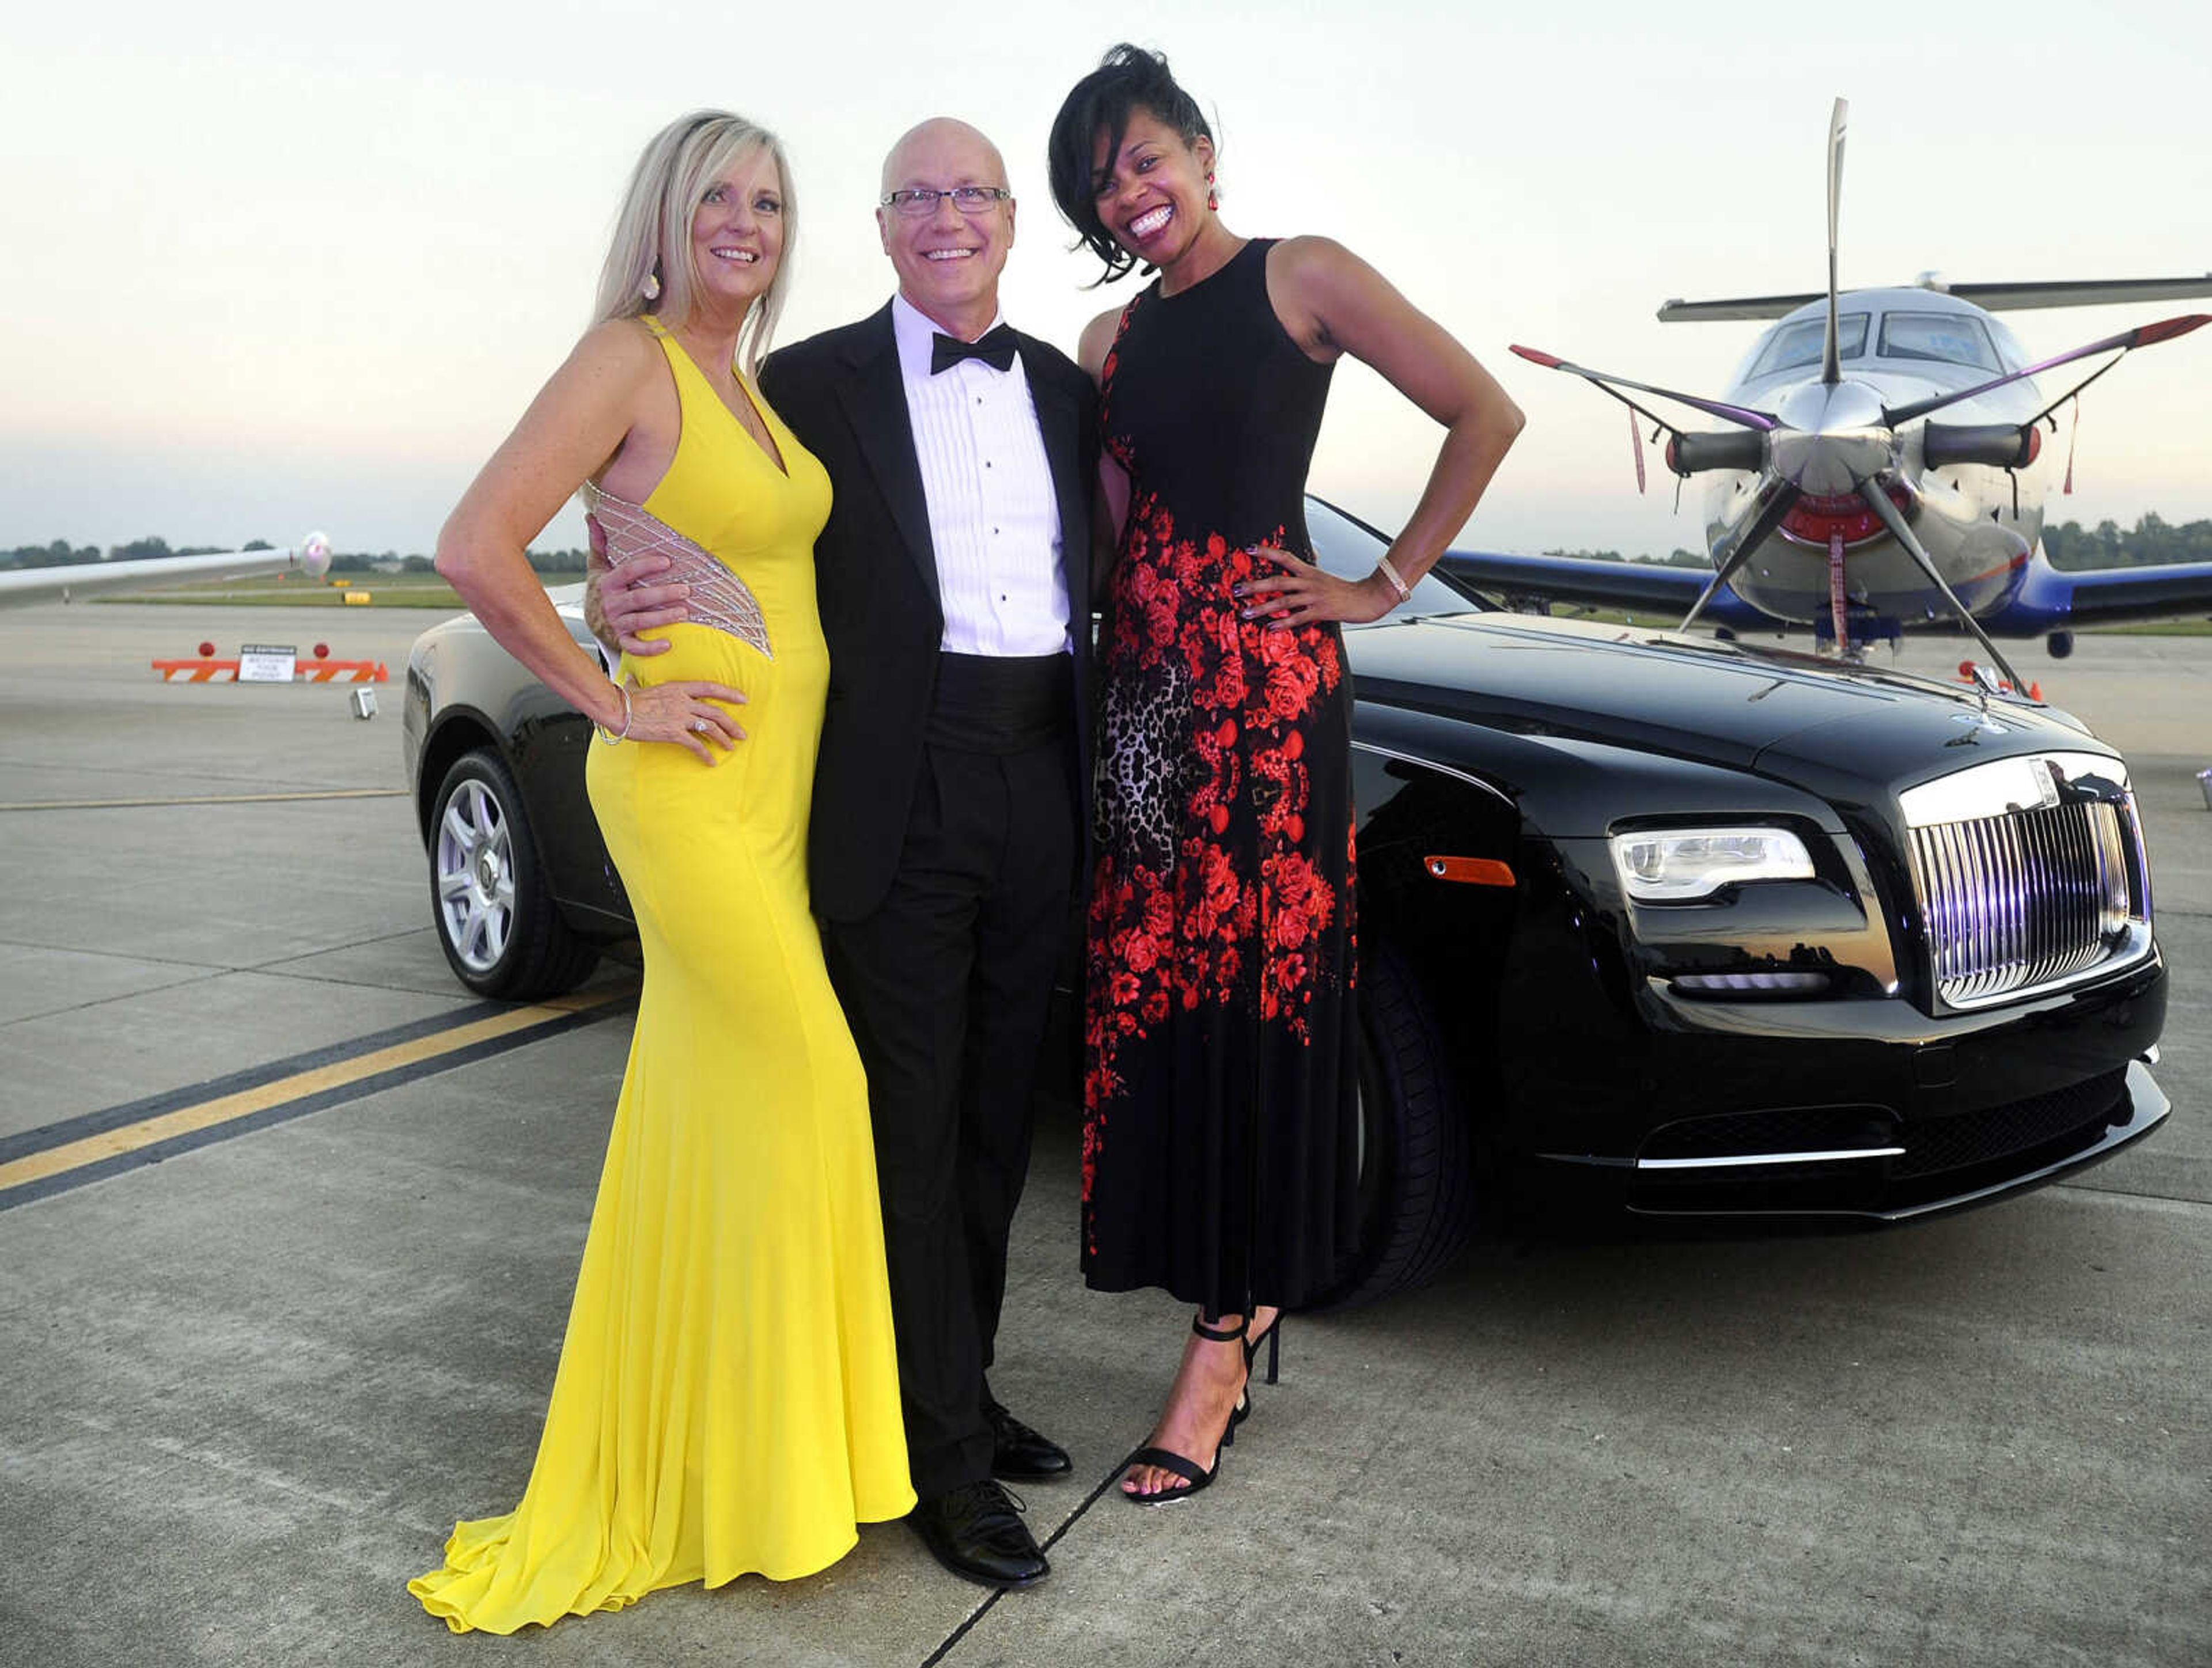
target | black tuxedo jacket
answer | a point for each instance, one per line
(876, 581)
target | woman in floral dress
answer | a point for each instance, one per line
(1221, 1021)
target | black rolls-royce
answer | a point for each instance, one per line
(1662, 925)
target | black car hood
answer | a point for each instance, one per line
(1814, 723)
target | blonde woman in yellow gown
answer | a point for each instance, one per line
(727, 1397)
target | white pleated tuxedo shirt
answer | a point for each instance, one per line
(994, 516)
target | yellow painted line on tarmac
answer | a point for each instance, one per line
(185, 1120)
(202, 799)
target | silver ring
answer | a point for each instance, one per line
(699, 725)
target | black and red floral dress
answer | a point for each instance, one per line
(1221, 1060)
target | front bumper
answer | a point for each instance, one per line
(1866, 1110)
(1909, 1169)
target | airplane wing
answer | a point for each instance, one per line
(1678, 311)
(1632, 586)
(1996, 297)
(2117, 596)
(2081, 293)
(2050, 600)
(19, 586)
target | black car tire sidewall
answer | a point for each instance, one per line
(1418, 1193)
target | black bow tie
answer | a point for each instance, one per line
(995, 348)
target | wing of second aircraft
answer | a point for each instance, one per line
(1593, 581)
(21, 585)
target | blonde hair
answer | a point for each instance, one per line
(653, 232)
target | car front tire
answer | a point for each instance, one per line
(1417, 1193)
(497, 923)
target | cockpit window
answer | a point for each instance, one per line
(1955, 338)
(1800, 343)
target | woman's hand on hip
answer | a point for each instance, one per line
(688, 713)
(1303, 595)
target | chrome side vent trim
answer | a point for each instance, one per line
(1736, 1160)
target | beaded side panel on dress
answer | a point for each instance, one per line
(623, 531)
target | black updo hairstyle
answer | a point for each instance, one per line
(1128, 78)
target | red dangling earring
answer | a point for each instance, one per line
(1212, 195)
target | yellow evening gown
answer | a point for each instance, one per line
(727, 1396)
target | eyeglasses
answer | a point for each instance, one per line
(916, 201)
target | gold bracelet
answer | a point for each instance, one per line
(1383, 567)
(629, 717)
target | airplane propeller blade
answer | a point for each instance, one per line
(1780, 498)
(1742, 416)
(1907, 540)
(1831, 361)
(2142, 336)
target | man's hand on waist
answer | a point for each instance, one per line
(621, 602)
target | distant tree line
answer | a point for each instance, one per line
(2154, 539)
(1676, 558)
(391, 562)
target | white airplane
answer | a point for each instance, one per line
(1836, 501)
(69, 581)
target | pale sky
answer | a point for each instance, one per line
(272, 266)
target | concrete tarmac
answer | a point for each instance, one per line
(245, 1391)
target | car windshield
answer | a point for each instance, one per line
(1798, 344)
(1953, 337)
(1350, 551)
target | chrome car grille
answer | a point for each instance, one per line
(2047, 885)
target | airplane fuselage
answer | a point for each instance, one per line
(1979, 524)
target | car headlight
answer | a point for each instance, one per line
(1679, 865)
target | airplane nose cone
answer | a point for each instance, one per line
(1819, 408)
(1833, 437)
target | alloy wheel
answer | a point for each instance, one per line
(476, 877)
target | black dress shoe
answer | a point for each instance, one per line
(1021, 1455)
(975, 1532)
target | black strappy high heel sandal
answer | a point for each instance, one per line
(1272, 1337)
(1244, 1409)
(1188, 1469)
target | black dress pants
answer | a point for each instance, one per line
(946, 987)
